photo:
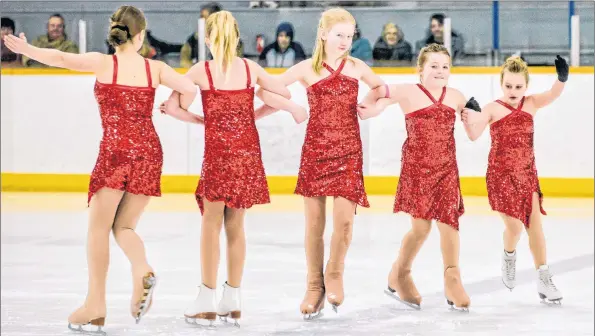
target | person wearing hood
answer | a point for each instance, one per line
(436, 35)
(361, 47)
(284, 52)
(391, 45)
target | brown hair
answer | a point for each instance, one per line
(515, 65)
(430, 48)
(126, 23)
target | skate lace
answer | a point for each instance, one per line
(510, 269)
(546, 278)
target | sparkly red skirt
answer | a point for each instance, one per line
(133, 173)
(511, 192)
(430, 193)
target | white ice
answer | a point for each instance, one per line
(44, 277)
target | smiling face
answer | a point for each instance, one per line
(436, 70)
(338, 40)
(514, 86)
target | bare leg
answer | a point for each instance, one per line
(450, 245)
(314, 244)
(536, 235)
(212, 221)
(512, 232)
(236, 245)
(399, 278)
(343, 213)
(129, 212)
(102, 211)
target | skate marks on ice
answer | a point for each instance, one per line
(393, 318)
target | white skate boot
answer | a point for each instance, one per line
(230, 305)
(509, 269)
(546, 289)
(202, 311)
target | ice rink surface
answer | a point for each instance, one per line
(44, 274)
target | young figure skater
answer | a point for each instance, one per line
(128, 169)
(332, 158)
(233, 177)
(429, 187)
(512, 183)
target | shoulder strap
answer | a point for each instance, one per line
(115, 74)
(208, 71)
(442, 96)
(505, 105)
(248, 76)
(148, 68)
(428, 93)
(521, 103)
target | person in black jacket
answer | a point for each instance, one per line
(284, 52)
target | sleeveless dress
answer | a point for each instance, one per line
(332, 156)
(130, 154)
(232, 169)
(511, 177)
(429, 186)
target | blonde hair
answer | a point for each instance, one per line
(429, 49)
(515, 65)
(125, 23)
(224, 35)
(329, 18)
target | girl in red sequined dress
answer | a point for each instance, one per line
(428, 186)
(233, 177)
(332, 157)
(512, 182)
(128, 169)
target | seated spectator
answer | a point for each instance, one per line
(391, 45)
(284, 52)
(361, 47)
(189, 51)
(152, 47)
(9, 59)
(436, 35)
(54, 39)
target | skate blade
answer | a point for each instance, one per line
(313, 316)
(78, 328)
(200, 323)
(149, 287)
(229, 323)
(546, 301)
(452, 307)
(396, 297)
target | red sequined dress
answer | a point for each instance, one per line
(332, 156)
(232, 169)
(512, 176)
(429, 186)
(130, 155)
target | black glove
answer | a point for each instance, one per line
(561, 68)
(473, 104)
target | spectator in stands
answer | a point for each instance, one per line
(189, 52)
(284, 52)
(264, 4)
(9, 58)
(54, 39)
(391, 45)
(436, 35)
(152, 47)
(361, 47)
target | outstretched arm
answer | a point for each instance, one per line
(87, 62)
(475, 119)
(287, 78)
(172, 108)
(545, 98)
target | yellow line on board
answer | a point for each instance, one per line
(375, 185)
(276, 71)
